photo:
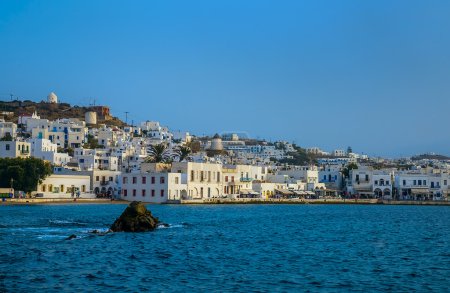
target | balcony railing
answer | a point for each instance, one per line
(246, 179)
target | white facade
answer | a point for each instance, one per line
(382, 184)
(8, 128)
(14, 149)
(46, 150)
(98, 159)
(152, 187)
(65, 186)
(52, 98)
(203, 180)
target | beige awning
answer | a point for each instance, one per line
(284, 191)
(419, 191)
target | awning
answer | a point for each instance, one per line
(299, 192)
(284, 191)
(248, 191)
(419, 191)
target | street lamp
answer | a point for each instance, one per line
(12, 188)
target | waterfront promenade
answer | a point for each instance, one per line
(31, 201)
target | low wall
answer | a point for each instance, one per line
(417, 202)
(56, 200)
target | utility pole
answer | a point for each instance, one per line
(126, 118)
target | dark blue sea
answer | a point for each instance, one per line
(223, 248)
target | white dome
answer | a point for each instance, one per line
(52, 98)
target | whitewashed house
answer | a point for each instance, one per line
(156, 187)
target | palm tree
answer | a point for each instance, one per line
(183, 153)
(159, 153)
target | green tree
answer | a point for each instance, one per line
(346, 170)
(159, 153)
(92, 143)
(7, 137)
(25, 173)
(183, 153)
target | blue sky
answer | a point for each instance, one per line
(374, 75)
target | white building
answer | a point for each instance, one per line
(203, 180)
(98, 159)
(14, 149)
(152, 187)
(65, 186)
(331, 176)
(52, 98)
(7, 128)
(382, 184)
(338, 153)
(46, 150)
(64, 132)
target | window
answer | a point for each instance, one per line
(414, 182)
(420, 182)
(161, 180)
(367, 177)
(387, 182)
(144, 180)
(143, 191)
(7, 147)
(192, 175)
(153, 180)
(110, 179)
(44, 188)
(424, 182)
(134, 180)
(83, 188)
(218, 176)
(201, 176)
(125, 192)
(376, 182)
(153, 193)
(176, 180)
(404, 182)
(232, 178)
(226, 178)
(97, 178)
(61, 188)
(125, 180)
(134, 192)
(445, 182)
(357, 177)
(162, 192)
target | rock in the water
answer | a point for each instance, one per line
(73, 236)
(135, 218)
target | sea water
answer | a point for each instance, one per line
(240, 248)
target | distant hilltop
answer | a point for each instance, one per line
(431, 156)
(12, 110)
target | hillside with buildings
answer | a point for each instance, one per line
(12, 111)
(96, 155)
